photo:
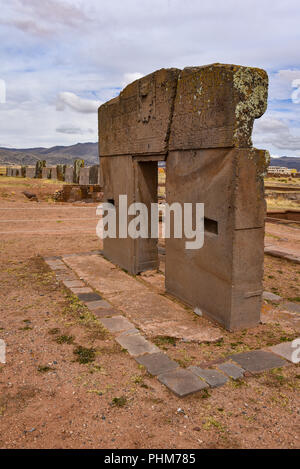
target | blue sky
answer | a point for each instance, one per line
(61, 58)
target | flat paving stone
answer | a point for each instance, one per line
(271, 297)
(285, 350)
(182, 382)
(89, 297)
(213, 377)
(136, 344)
(117, 324)
(258, 360)
(232, 370)
(105, 312)
(76, 290)
(291, 307)
(74, 283)
(157, 363)
(92, 305)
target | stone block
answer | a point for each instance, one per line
(77, 290)
(232, 370)
(136, 344)
(69, 175)
(138, 120)
(216, 105)
(93, 305)
(117, 324)
(182, 382)
(157, 363)
(291, 307)
(73, 283)
(212, 377)
(257, 361)
(84, 176)
(105, 312)
(86, 297)
(271, 297)
(285, 350)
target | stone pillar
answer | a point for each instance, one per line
(94, 174)
(40, 164)
(69, 174)
(46, 173)
(30, 172)
(54, 172)
(133, 136)
(77, 165)
(84, 176)
(211, 160)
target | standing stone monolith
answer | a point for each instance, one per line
(200, 121)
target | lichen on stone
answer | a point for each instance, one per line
(251, 86)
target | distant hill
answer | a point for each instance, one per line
(292, 162)
(54, 155)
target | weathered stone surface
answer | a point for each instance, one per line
(95, 174)
(30, 172)
(291, 307)
(216, 105)
(136, 345)
(233, 234)
(157, 363)
(182, 382)
(141, 304)
(257, 360)
(232, 370)
(77, 290)
(271, 297)
(213, 377)
(92, 305)
(84, 176)
(202, 117)
(73, 283)
(105, 312)
(138, 120)
(89, 297)
(46, 173)
(285, 350)
(139, 182)
(117, 324)
(69, 174)
(54, 172)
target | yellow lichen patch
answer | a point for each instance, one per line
(251, 85)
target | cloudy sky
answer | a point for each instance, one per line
(61, 58)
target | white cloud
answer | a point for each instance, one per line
(296, 92)
(272, 131)
(76, 103)
(2, 92)
(130, 77)
(87, 47)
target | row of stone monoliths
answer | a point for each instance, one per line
(76, 174)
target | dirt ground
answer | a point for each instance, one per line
(54, 394)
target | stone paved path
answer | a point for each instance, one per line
(124, 293)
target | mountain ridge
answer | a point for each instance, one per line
(58, 154)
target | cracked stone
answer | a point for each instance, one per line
(213, 377)
(232, 370)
